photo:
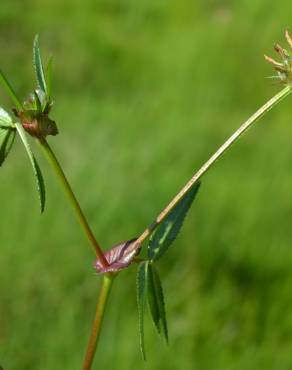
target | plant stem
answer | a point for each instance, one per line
(207, 165)
(73, 200)
(98, 319)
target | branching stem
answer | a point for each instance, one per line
(107, 278)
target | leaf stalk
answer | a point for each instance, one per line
(219, 152)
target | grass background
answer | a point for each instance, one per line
(144, 92)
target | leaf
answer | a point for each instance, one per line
(49, 76)
(142, 274)
(5, 119)
(35, 166)
(152, 299)
(156, 300)
(119, 257)
(9, 89)
(7, 137)
(37, 61)
(166, 233)
(37, 102)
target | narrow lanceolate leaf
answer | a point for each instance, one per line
(141, 299)
(49, 76)
(37, 102)
(10, 91)
(166, 233)
(37, 61)
(7, 136)
(156, 301)
(35, 166)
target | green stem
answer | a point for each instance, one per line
(72, 199)
(222, 149)
(98, 319)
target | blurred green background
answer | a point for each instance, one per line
(144, 92)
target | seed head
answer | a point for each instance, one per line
(284, 67)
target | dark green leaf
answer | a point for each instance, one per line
(153, 300)
(166, 233)
(141, 299)
(39, 66)
(7, 136)
(156, 300)
(35, 166)
(9, 89)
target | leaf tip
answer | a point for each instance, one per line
(36, 39)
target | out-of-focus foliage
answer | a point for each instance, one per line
(144, 92)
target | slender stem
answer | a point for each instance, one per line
(73, 200)
(206, 166)
(98, 319)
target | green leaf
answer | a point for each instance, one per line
(35, 166)
(142, 279)
(9, 89)
(49, 76)
(7, 136)
(5, 119)
(37, 61)
(37, 101)
(152, 300)
(156, 300)
(166, 233)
